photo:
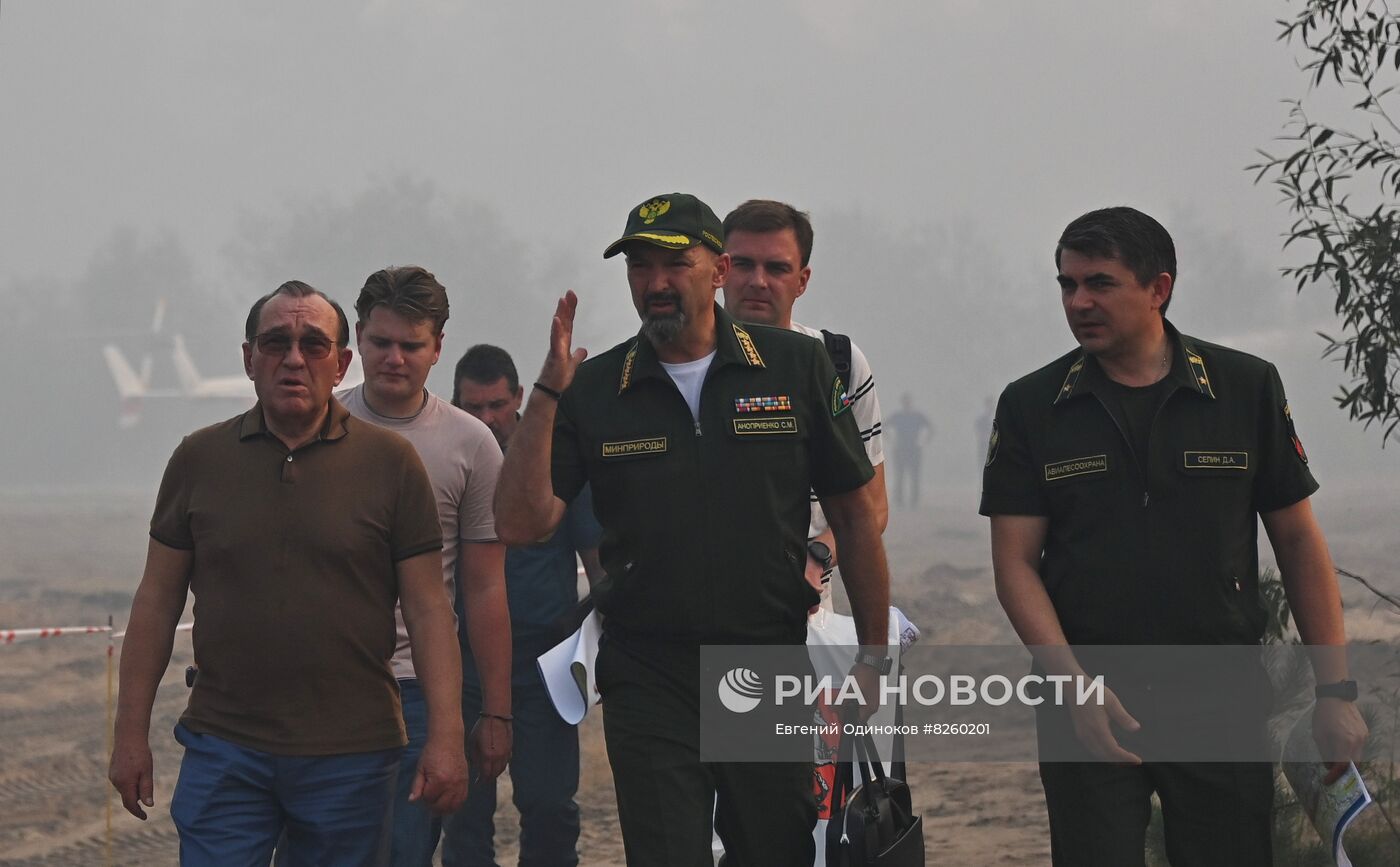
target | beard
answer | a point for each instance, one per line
(665, 327)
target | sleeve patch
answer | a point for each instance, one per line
(992, 443)
(1293, 434)
(840, 400)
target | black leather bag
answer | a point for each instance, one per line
(874, 825)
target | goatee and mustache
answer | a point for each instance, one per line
(663, 327)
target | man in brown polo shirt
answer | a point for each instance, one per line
(296, 527)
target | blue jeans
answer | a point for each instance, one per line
(544, 773)
(416, 829)
(231, 803)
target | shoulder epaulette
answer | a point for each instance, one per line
(1198, 372)
(1071, 380)
(627, 364)
(746, 344)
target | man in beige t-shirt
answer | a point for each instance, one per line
(399, 333)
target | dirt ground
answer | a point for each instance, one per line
(75, 558)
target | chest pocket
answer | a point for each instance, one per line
(1216, 463)
(768, 444)
(1081, 487)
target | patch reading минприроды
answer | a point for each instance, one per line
(643, 447)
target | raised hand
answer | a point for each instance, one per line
(563, 359)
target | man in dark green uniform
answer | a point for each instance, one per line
(701, 439)
(1122, 481)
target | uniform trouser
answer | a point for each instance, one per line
(231, 804)
(764, 812)
(544, 769)
(1214, 813)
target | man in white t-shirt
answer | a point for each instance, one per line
(769, 245)
(401, 313)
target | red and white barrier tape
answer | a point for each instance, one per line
(181, 627)
(10, 636)
(13, 636)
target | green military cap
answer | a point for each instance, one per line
(675, 221)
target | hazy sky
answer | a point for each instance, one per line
(1014, 114)
(962, 134)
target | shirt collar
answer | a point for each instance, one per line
(1188, 371)
(334, 427)
(733, 345)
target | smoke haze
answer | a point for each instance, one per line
(204, 153)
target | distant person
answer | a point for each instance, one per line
(702, 439)
(297, 527)
(401, 314)
(1123, 481)
(542, 585)
(770, 245)
(911, 430)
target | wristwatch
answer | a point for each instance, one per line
(1342, 689)
(821, 552)
(882, 664)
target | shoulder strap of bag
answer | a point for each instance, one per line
(838, 346)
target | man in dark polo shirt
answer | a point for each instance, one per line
(701, 439)
(296, 527)
(1123, 481)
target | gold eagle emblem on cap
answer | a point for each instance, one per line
(653, 209)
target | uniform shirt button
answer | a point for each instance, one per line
(289, 459)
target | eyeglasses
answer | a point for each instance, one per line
(279, 343)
